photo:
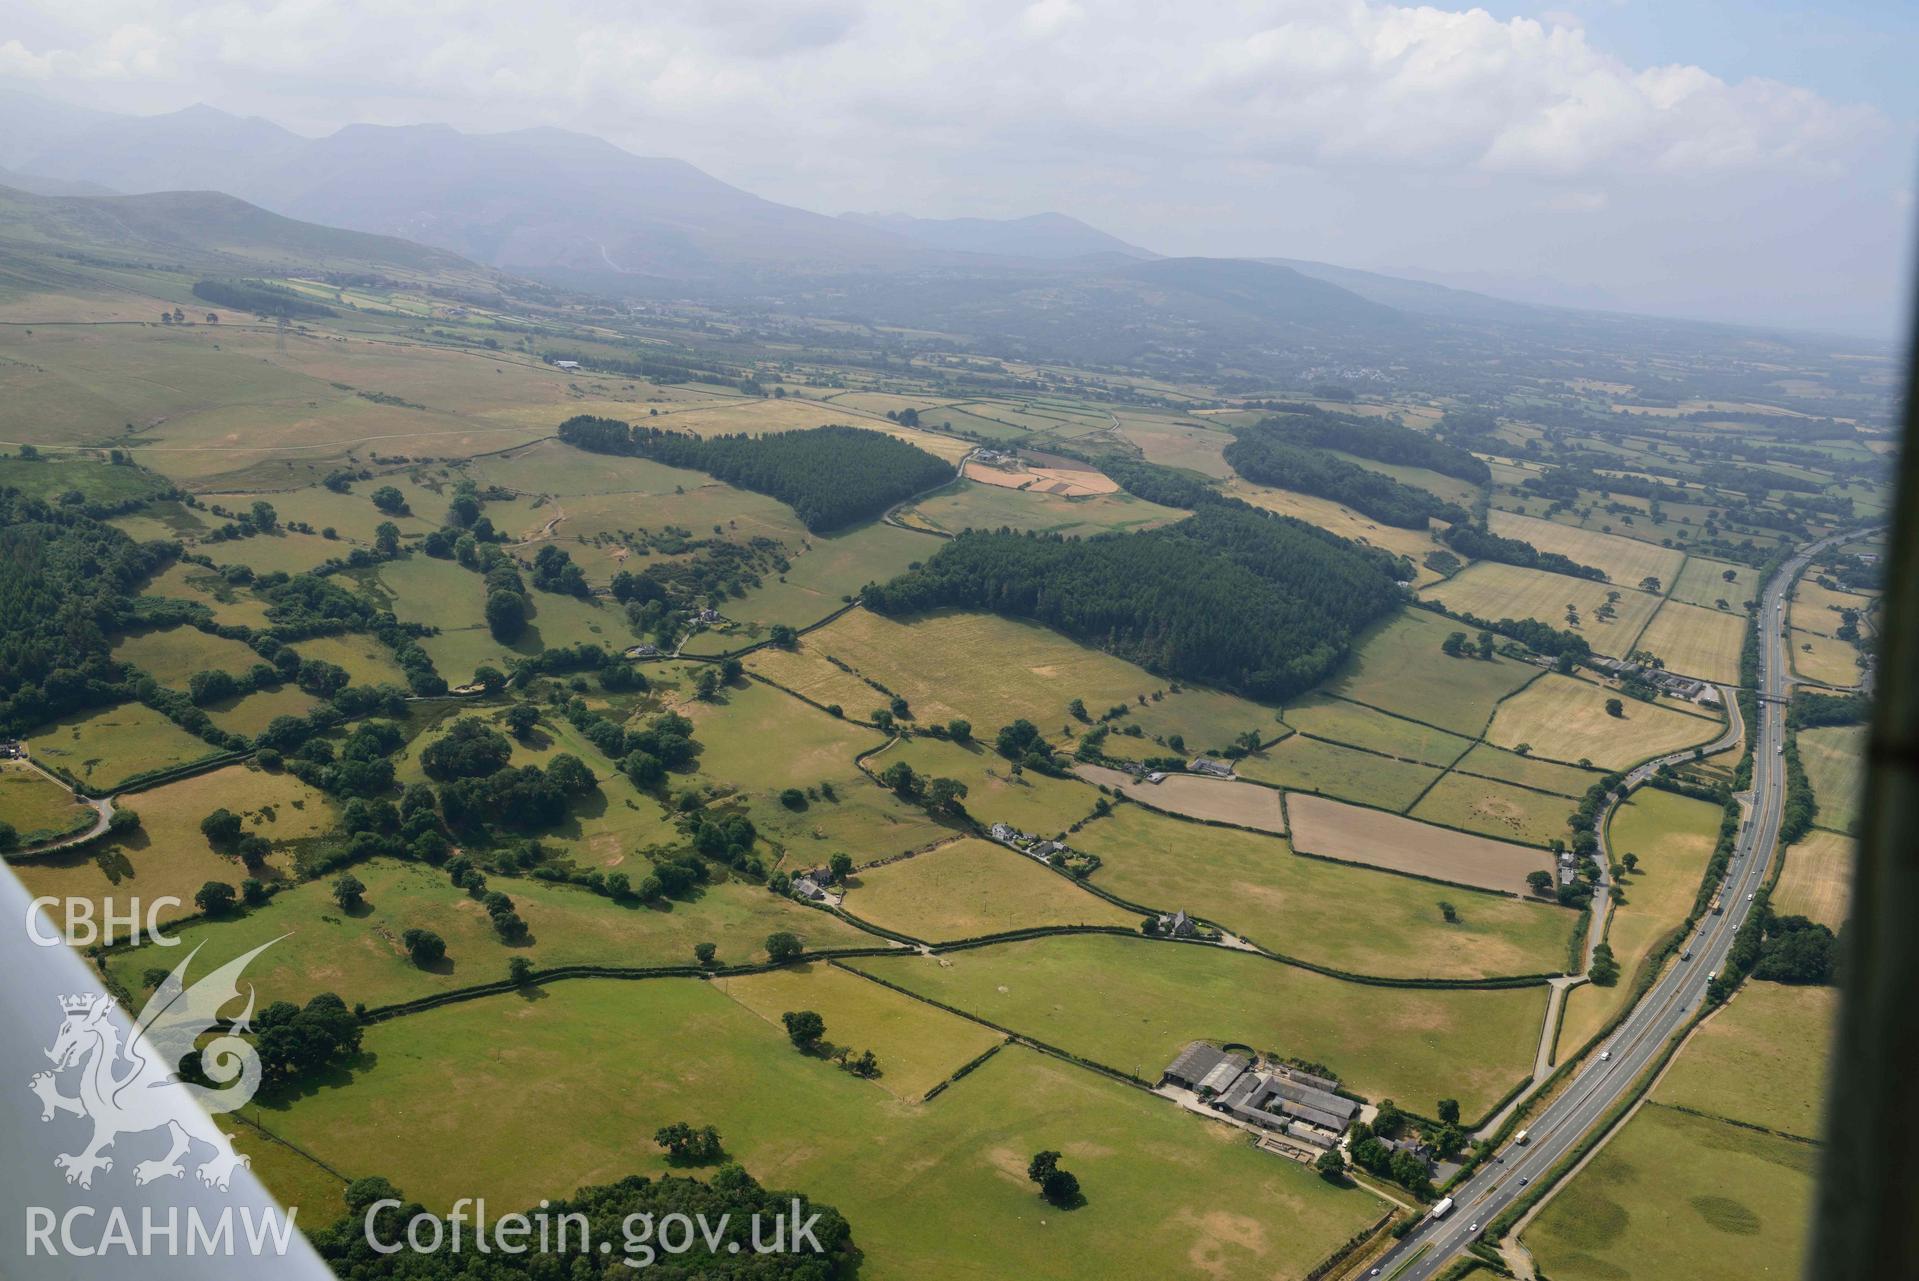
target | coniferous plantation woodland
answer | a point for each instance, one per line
(1378, 439)
(831, 477)
(1268, 455)
(1261, 605)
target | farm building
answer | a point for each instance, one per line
(1209, 766)
(1205, 1067)
(1277, 1100)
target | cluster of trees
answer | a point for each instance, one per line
(1481, 543)
(1779, 949)
(66, 582)
(830, 476)
(1059, 1186)
(1267, 455)
(686, 1144)
(261, 297)
(1541, 638)
(1261, 605)
(297, 1041)
(1810, 709)
(730, 1202)
(1381, 440)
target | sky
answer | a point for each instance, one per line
(1745, 160)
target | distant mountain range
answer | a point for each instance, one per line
(1046, 237)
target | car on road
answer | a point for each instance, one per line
(1524, 1181)
(1748, 898)
(1605, 1055)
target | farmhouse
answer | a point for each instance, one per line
(1209, 766)
(806, 887)
(566, 364)
(12, 750)
(643, 650)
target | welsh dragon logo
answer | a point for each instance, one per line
(133, 1086)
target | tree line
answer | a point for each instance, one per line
(1268, 456)
(1265, 606)
(260, 297)
(1381, 440)
(1480, 543)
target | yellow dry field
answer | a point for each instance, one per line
(1490, 590)
(1564, 718)
(1333, 829)
(917, 1044)
(1066, 482)
(1341, 520)
(970, 887)
(1212, 800)
(1177, 443)
(1696, 641)
(1816, 609)
(806, 672)
(1817, 880)
(1824, 659)
(175, 656)
(1626, 561)
(36, 807)
(755, 415)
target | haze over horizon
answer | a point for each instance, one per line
(1558, 157)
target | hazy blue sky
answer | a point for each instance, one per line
(1738, 159)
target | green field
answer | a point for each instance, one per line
(1625, 560)
(1399, 668)
(37, 808)
(107, 746)
(445, 595)
(1030, 801)
(993, 671)
(758, 741)
(1674, 1195)
(1132, 1005)
(173, 656)
(938, 1189)
(358, 954)
(1375, 731)
(1332, 914)
(1763, 1059)
(230, 604)
(1835, 761)
(1303, 764)
(365, 659)
(1703, 582)
(1527, 771)
(1495, 809)
(971, 887)
(97, 482)
(251, 713)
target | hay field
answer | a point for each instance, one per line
(1214, 800)
(1816, 609)
(1817, 879)
(1177, 443)
(1673, 837)
(251, 713)
(1341, 520)
(105, 746)
(1302, 764)
(1450, 488)
(1696, 641)
(1307, 907)
(1835, 761)
(365, 658)
(622, 1059)
(1399, 668)
(1491, 590)
(992, 671)
(1374, 730)
(1153, 998)
(1674, 1195)
(1823, 658)
(1625, 560)
(173, 656)
(1564, 718)
(169, 856)
(970, 506)
(970, 887)
(1058, 481)
(1355, 834)
(37, 808)
(1494, 809)
(1703, 582)
(805, 671)
(918, 1042)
